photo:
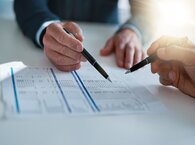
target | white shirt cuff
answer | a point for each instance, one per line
(40, 30)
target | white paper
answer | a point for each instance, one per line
(39, 91)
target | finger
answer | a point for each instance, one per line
(52, 44)
(165, 66)
(74, 29)
(143, 54)
(59, 59)
(68, 68)
(167, 72)
(120, 53)
(165, 76)
(185, 84)
(137, 55)
(83, 59)
(57, 32)
(177, 53)
(108, 49)
(165, 41)
(129, 56)
(155, 66)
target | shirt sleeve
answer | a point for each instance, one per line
(142, 20)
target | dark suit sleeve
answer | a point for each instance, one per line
(31, 14)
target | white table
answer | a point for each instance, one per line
(176, 128)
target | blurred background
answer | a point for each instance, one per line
(176, 17)
(6, 10)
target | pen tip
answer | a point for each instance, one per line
(127, 71)
(109, 79)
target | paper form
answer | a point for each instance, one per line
(46, 91)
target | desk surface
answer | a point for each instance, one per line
(177, 127)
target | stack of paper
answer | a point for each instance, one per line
(29, 91)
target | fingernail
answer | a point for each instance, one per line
(128, 65)
(172, 76)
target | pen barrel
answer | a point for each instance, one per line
(91, 60)
(88, 56)
(100, 70)
(144, 62)
(139, 65)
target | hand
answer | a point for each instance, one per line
(62, 49)
(176, 64)
(127, 47)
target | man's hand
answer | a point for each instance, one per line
(62, 49)
(127, 48)
(176, 64)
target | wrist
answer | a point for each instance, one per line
(128, 31)
(131, 28)
(41, 32)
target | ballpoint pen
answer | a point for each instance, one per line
(144, 62)
(92, 60)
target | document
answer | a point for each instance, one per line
(37, 91)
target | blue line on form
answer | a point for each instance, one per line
(15, 92)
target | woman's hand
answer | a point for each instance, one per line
(176, 63)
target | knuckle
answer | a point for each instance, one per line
(69, 24)
(131, 46)
(74, 24)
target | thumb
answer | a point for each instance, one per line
(184, 55)
(108, 49)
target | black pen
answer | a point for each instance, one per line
(144, 62)
(92, 60)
